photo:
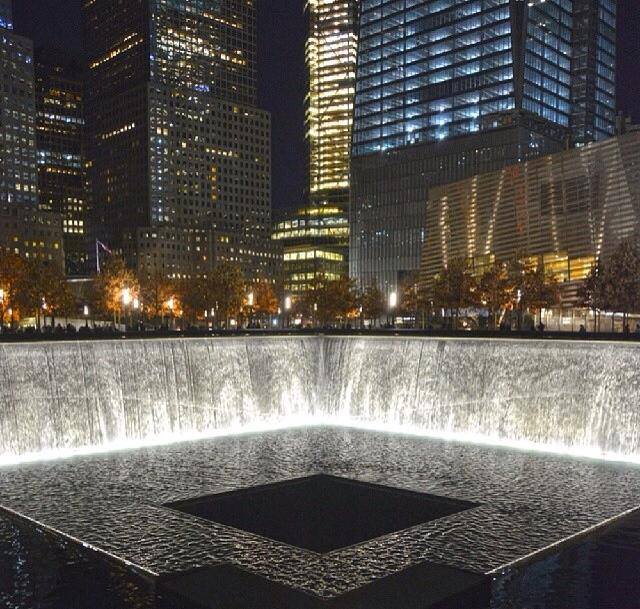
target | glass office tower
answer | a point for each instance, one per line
(594, 70)
(6, 20)
(331, 67)
(60, 142)
(179, 152)
(448, 89)
(18, 177)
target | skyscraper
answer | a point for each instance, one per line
(59, 138)
(448, 89)
(179, 154)
(315, 236)
(24, 229)
(18, 177)
(6, 20)
(331, 66)
(594, 70)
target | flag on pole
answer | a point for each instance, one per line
(99, 245)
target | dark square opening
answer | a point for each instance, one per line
(321, 513)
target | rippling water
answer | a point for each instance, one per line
(113, 503)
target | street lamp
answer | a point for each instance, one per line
(85, 312)
(287, 308)
(171, 303)
(250, 301)
(393, 303)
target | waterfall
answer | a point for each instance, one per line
(575, 397)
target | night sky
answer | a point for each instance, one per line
(281, 71)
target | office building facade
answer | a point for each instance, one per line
(60, 142)
(565, 211)
(331, 68)
(18, 175)
(314, 241)
(445, 90)
(6, 15)
(33, 234)
(593, 71)
(179, 153)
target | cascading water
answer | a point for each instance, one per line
(577, 397)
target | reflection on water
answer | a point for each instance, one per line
(38, 572)
(600, 574)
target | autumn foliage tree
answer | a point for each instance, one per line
(109, 287)
(336, 301)
(494, 291)
(13, 278)
(414, 300)
(156, 290)
(454, 288)
(227, 291)
(265, 300)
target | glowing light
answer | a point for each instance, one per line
(393, 300)
(276, 423)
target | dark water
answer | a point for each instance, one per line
(599, 574)
(40, 572)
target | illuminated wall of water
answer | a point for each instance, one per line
(568, 396)
(580, 397)
(56, 396)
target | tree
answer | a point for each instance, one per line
(495, 291)
(372, 302)
(13, 275)
(454, 288)
(592, 291)
(622, 278)
(55, 294)
(227, 290)
(336, 300)
(414, 300)
(155, 292)
(110, 286)
(194, 296)
(533, 288)
(265, 300)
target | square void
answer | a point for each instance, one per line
(321, 513)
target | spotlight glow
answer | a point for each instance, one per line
(311, 421)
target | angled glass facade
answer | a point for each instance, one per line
(594, 70)
(6, 18)
(428, 71)
(446, 89)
